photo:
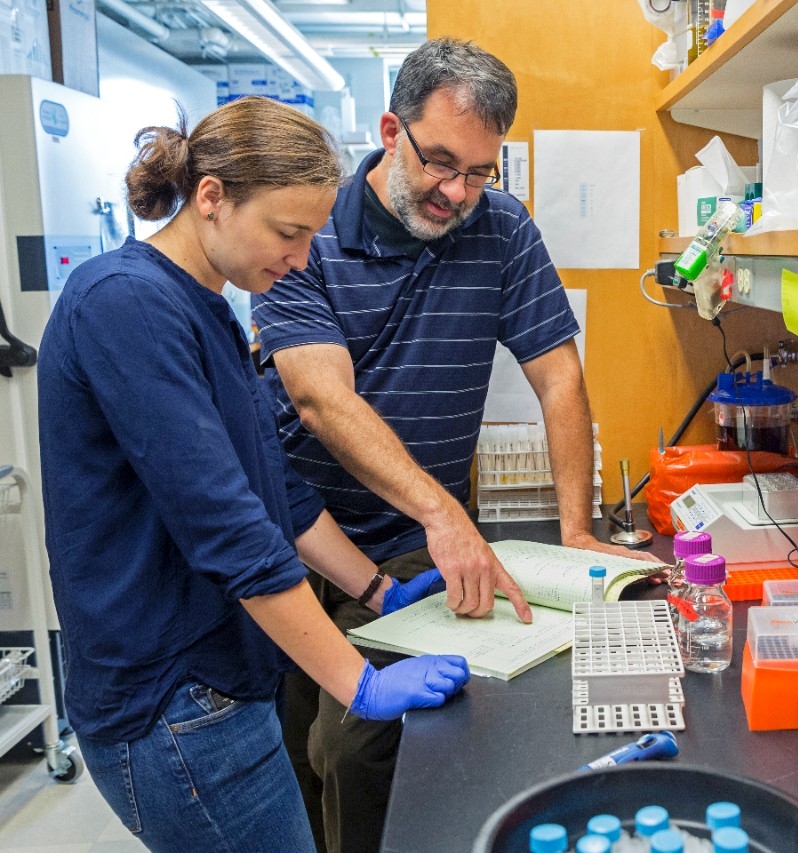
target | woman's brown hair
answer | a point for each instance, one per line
(249, 143)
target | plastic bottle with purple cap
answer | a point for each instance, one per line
(705, 616)
(686, 543)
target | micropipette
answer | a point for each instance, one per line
(650, 746)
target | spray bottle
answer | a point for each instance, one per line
(707, 243)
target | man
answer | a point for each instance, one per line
(384, 347)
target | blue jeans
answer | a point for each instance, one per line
(205, 780)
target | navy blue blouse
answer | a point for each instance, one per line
(167, 495)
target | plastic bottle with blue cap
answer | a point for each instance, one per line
(667, 841)
(548, 838)
(730, 839)
(593, 844)
(722, 813)
(610, 827)
(597, 575)
(649, 820)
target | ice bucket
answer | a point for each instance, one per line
(769, 816)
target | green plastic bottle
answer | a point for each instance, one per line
(707, 243)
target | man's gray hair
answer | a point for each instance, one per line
(479, 80)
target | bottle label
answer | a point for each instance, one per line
(684, 607)
(692, 261)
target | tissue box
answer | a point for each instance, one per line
(697, 195)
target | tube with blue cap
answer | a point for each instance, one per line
(650, 746)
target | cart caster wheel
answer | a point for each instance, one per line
(69, 767)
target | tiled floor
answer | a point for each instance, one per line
(40, 815)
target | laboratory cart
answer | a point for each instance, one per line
(16, 721)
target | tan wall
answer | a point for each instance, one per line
(585, 65)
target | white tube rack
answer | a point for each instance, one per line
(626, 667)
(514, 476)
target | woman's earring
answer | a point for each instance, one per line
(211, 216)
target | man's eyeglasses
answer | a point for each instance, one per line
(448, 173)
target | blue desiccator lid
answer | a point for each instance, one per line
(749, 389)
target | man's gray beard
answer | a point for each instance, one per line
(406, 204)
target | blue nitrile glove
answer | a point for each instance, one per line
(402, 594)
(423, 682)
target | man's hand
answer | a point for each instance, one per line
(590, 543)
(471, 569)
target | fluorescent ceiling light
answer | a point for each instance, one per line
(262, 25)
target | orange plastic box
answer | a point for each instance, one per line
(770, 696)
(744, 583)
(769, 682)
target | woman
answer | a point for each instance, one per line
(176, 532)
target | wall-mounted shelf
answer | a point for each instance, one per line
(722, 89)
(772, 243)
(757, 265)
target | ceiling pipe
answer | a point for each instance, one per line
(157, 32)
(261, 24)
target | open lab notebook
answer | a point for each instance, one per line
(552, 578)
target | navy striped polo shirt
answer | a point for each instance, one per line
(422, 336)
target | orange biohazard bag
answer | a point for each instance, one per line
(678, 469)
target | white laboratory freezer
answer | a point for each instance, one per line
(61, 202)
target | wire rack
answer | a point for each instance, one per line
(626, 667)
(13, 670)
